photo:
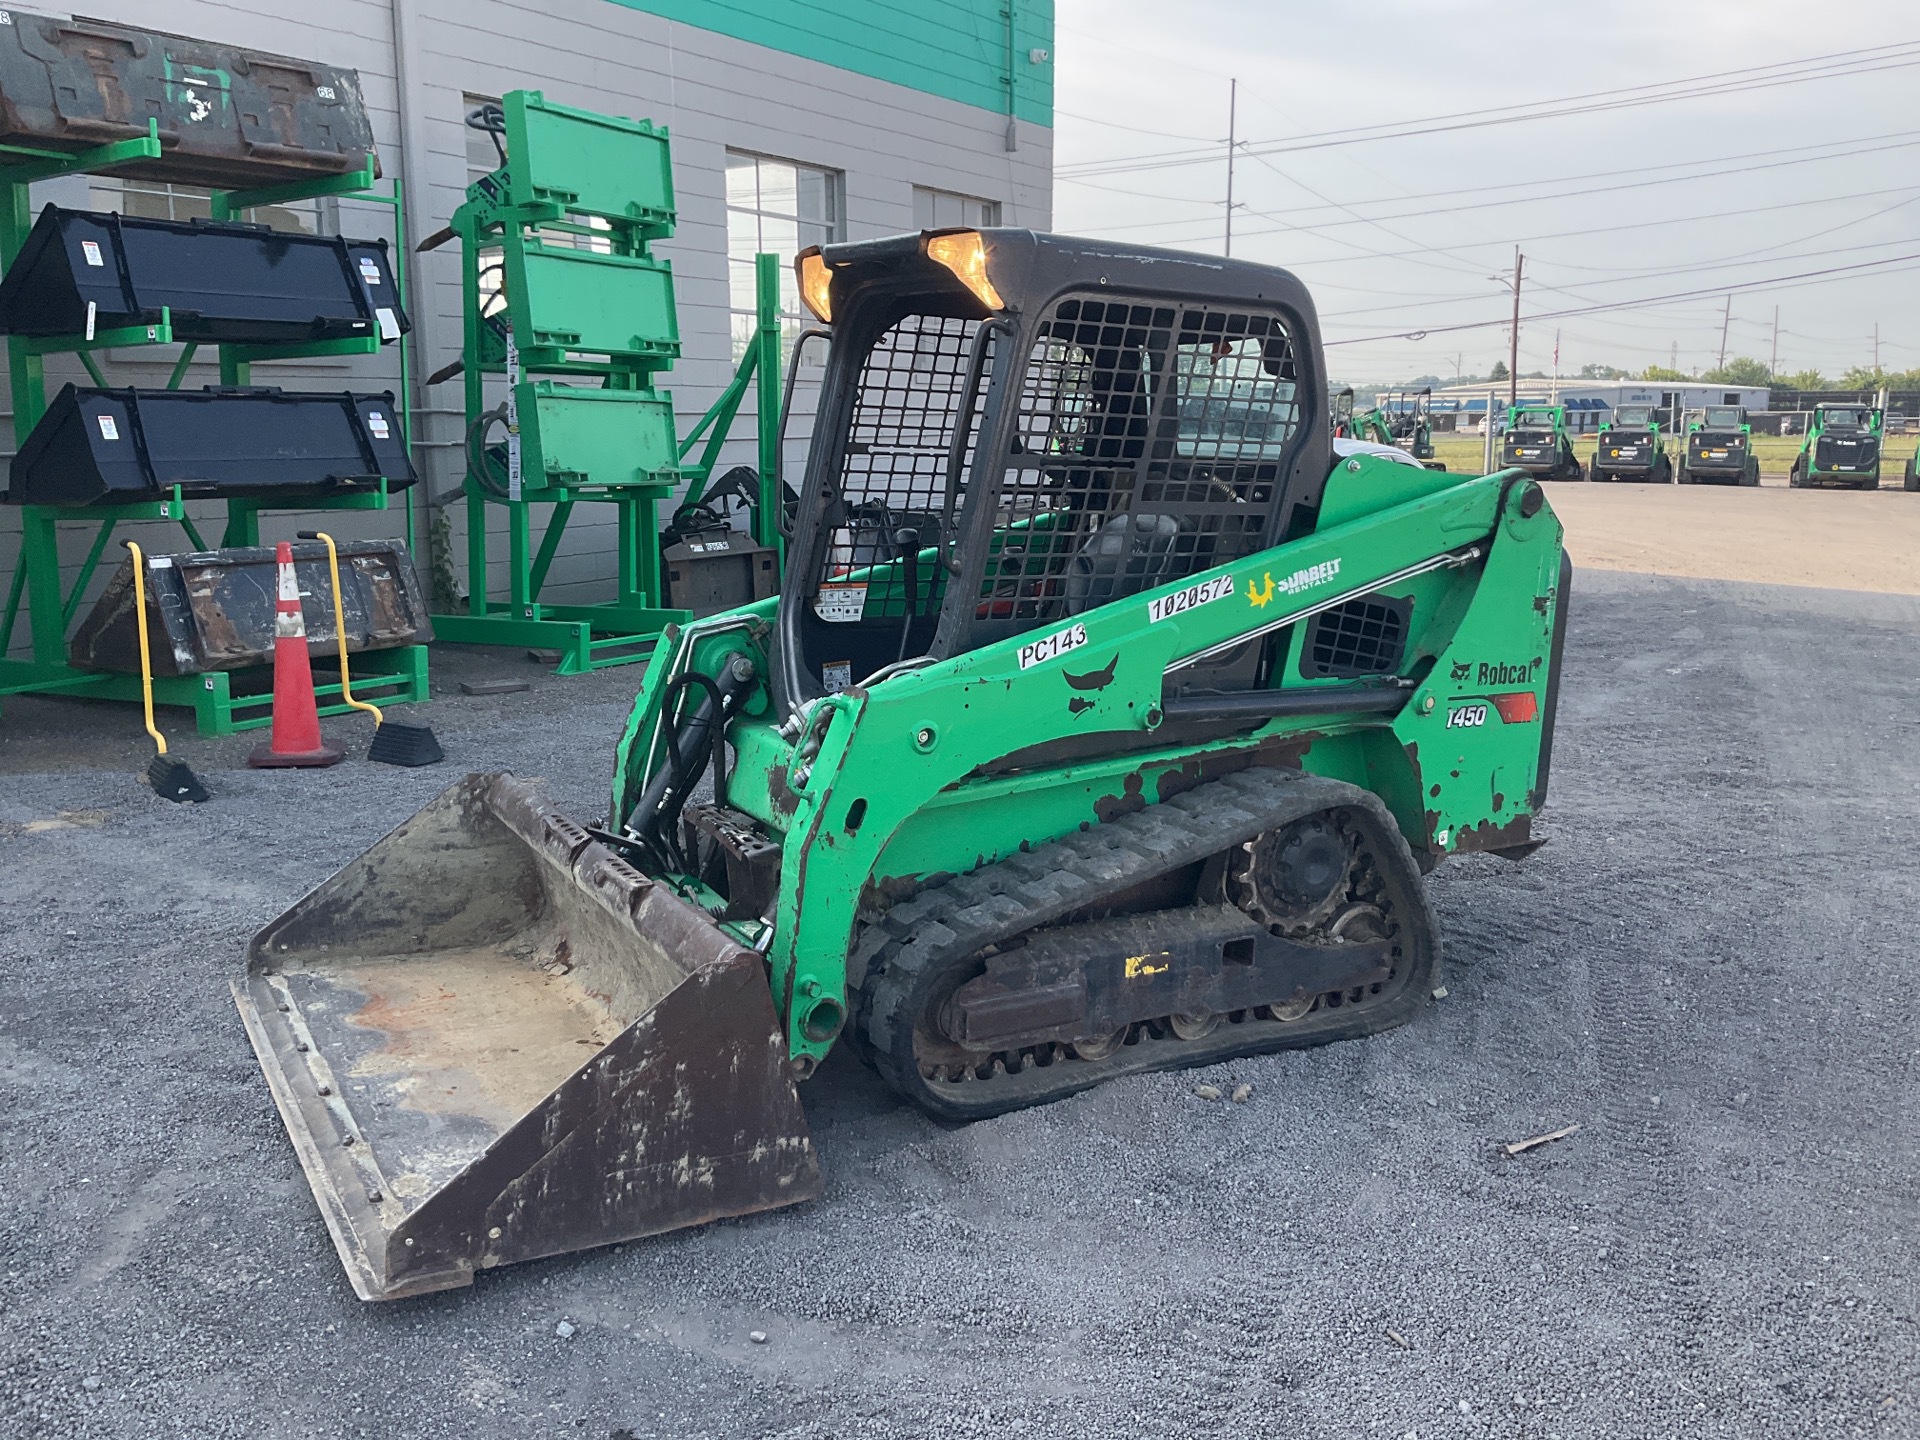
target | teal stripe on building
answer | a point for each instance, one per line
(957, 49)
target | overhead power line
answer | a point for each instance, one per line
(1659, 222)
(1534, 282)
(1840, 64)
(1771, 282)
(1356, 218)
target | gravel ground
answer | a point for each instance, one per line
(1705, 969)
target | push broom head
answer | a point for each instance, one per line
(395, 743)
(174, 780)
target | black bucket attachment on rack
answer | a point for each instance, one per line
(213, 609)
(491, 1040)
(227, 117)
(115, 446)
(223, 283)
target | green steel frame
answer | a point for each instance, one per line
(525, 220)
(222, 702)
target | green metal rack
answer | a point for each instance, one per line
(567, 227)
(222, 701)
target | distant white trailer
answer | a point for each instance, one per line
(1590, 403)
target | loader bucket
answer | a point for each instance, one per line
(491, 1039)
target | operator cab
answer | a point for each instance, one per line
(1842, 417)
(1725, 417)
(1016, 428)
(1633, 417)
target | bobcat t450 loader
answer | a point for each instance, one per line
(1629, 448)
(1719, 449)
(1104, 724)
(1842, 448)
(1537, 442)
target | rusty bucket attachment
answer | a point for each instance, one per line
(491, 1039)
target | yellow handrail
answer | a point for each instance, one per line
(340, 632)
(146, 664)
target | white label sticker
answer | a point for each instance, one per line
(389, 323)
(369, 270)
(93, 314)
(1051, 647)
(840, 603)
(159, 562)
(377, 423)
(1194, 596)
(108, 430)
(91, 249)
(837, 676)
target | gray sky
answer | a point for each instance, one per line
(1344, 217)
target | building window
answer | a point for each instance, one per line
(779, 207)
(158, 200)
(943, 210)
(483, 156)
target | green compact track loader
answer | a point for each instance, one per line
(1842, 448)
(1719, 449)
(1400, 418)
(1409, 418)
(1340, 416)
(1105, 723)
(1538, 443)
(1629, 448)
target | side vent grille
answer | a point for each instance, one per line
(1361, 637)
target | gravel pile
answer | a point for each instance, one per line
(1709, 969)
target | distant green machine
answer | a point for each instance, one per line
(1400, 418)
(1340, 412)
(1719, 449)
(564, 298)
(1842, 449)
(1630, 448)
(1410, 415)
(1537, 442)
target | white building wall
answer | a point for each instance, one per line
(714, 93)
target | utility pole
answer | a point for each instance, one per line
(1673, 357)
(1773, 364)
(1513, 340)
(1233, 107)
(1876, 347)
(1725, 321)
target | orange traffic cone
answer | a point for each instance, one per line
(296, 715)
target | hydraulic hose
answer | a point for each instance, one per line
(690, 742)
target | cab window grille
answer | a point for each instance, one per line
(894, 476)
(1146, 447)
(1360, 637)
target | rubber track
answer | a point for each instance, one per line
(964, 915)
